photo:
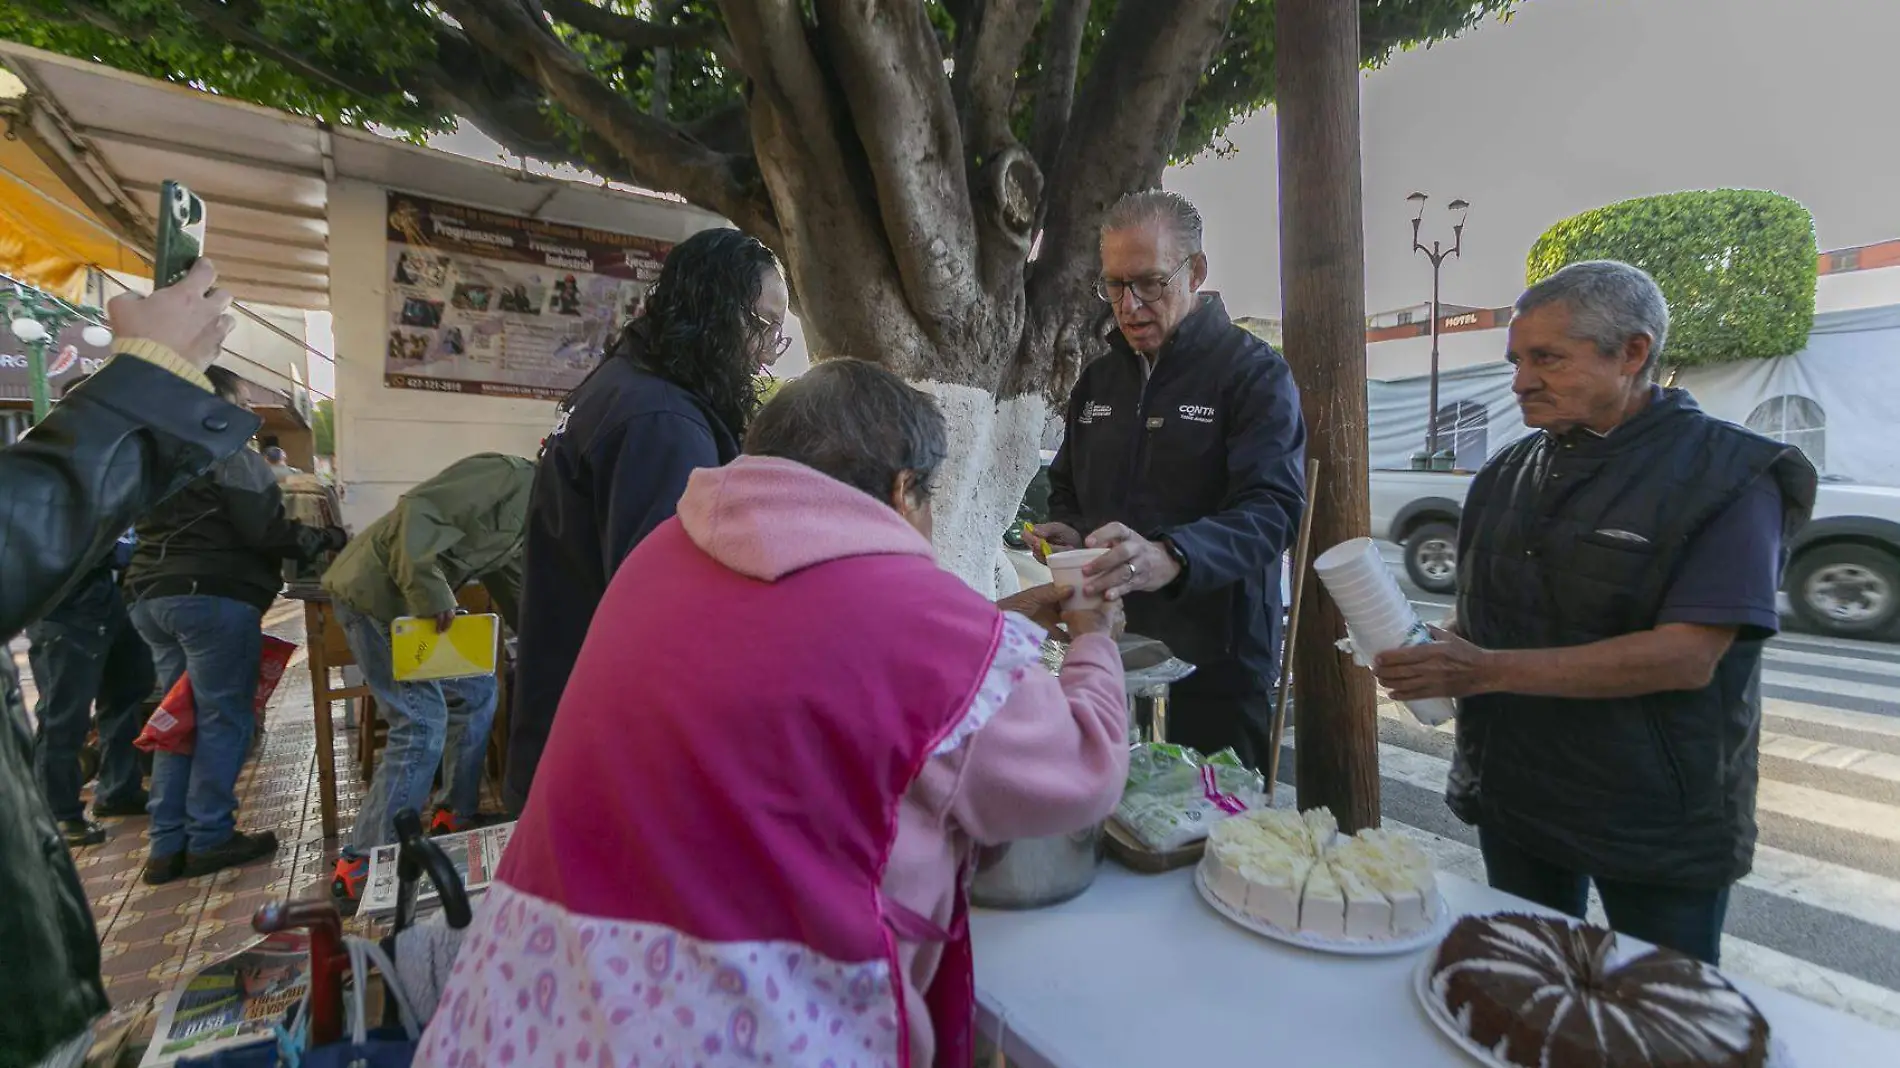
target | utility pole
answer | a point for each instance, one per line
(1323, 292)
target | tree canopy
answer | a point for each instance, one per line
(1737, 266)
(929, 142)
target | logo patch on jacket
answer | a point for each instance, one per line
(1197, 413)
(1092, 411)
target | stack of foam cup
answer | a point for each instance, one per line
(1378, 616)
(1065, 570)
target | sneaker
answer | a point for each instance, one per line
(346, 886)
(81, 832)
(238, 849)
(131, 806)
(447, 822)
(162, 870)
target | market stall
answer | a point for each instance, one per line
(1140, 971)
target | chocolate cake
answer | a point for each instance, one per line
(1543, 993)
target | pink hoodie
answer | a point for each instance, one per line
(1052, 758)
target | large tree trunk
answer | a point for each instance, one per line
(1322, 287)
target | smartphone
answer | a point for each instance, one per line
(181, 233)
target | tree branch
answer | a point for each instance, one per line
(637, 33)
(984, 82)
(658, 154)
(1055, 91)
(799, 126)
(886, 58)
(1130, 105)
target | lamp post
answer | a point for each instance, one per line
(1437, 254)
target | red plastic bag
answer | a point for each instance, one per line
(173, 725)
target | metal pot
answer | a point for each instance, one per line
(1038, 872)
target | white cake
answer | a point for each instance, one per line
(1296, 872)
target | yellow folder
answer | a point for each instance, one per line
(471, 646)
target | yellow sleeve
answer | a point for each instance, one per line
(154, 352)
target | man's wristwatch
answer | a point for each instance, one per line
(1179, 557)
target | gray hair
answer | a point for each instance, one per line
(1158, 207)
(1609, 302)
(856, 422)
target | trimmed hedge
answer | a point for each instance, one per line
(1737, 266)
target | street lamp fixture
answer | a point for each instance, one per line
(1437, 254)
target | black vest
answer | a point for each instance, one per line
(1658, 788)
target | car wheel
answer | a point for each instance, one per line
(1431, 557)
(1846, 590)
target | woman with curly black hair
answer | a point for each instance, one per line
(674, 393)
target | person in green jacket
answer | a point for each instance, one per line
(464, 525)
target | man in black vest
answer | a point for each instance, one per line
(1183, 455)
(1617, 574)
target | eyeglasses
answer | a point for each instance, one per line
(1147, 290)
(780, 342)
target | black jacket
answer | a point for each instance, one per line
(224, 535)
(128, 437)
(1653, 789)
(613, 469)
(1208, 452)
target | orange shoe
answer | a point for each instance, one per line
(346, 886)
(446, 822)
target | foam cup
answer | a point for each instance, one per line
(1065, 570)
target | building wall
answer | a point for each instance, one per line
(1579, 103)
(387, 440)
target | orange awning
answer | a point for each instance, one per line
(47, 235)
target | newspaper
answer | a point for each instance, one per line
(234, 1001)
(475, 854)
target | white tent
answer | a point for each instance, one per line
(1838, 400)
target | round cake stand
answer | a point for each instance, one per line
(1344, 947)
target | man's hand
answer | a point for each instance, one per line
(444, 620)
(1042, 604)
(1448, 667)
(190, 318)
(1133, 564)
(1046, 538)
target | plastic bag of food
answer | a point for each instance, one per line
(1175, 795)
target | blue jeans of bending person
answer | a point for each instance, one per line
(431, 724)
(1686, 920)
(217, 641)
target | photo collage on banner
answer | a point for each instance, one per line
(487, 303)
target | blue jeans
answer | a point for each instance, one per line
(218, 642)
(75, 663)
(428, 722)
(1686, 920)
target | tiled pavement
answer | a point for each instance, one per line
(150, 935)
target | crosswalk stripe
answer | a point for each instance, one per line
(1870, 818)
(1868, 691)
(1828, 755)
(1805, 657)
(1846, 719)
(1873, 899)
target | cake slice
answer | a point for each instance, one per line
(1323, 904)
(1368, 910)
(1402, 874)
(1285, 825)
(1273, 890)
(1321, 827)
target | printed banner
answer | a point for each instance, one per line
(487, 303)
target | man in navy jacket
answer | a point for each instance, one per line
(1183, 456)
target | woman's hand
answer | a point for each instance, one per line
(1104, 619)
(1040, 604)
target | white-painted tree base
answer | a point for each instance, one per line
(994, 452)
